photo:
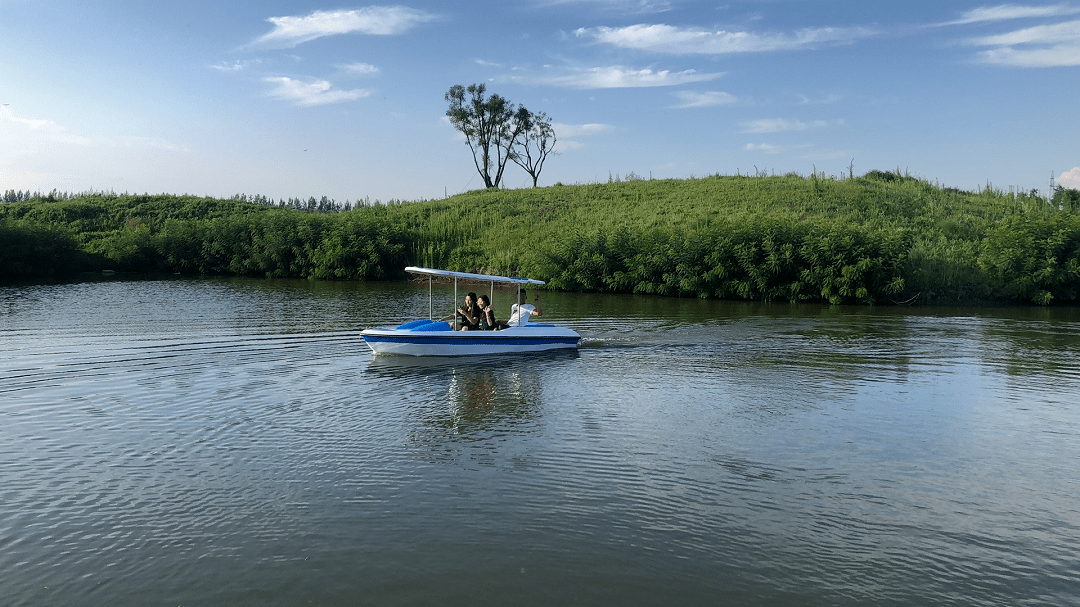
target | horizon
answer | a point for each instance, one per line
(299, 99)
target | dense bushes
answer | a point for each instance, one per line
(30, 250)
(200, 236)
(759, 260)
(1034, 258)
(879, 238)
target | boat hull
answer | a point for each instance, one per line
(530, 338)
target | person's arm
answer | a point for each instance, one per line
(536, 304)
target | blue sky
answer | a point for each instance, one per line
(299, 98)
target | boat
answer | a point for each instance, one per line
(427, 337)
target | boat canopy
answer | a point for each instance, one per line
(471, 276)
(431, 273)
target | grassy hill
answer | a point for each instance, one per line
(880, 238)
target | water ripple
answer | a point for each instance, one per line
(190, 443)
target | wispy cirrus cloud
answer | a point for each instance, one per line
(780, 125)
(820, 100)
(691, 99)
(661, 38)
(1056, 45)
(622, 6)
(569, 134)
(290, 31)
(25, 134)
(310, 92)
(616, 76)
(235, 66)
(1044, 45)
(14, 128)
(763, 147)
(360, 69)
(1007, 12)
(581, 130)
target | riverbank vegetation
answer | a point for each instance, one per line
(881, 238)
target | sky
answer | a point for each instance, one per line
(346, 100)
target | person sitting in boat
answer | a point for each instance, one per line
(521, 311)
(469, 314)
(487, 315)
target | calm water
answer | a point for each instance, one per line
(230, 442)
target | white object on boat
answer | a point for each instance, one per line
(437, 338)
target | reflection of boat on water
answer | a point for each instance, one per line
(437, 338)
(415, 366)
(464, 406)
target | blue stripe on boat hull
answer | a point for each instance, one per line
(415, 343)
(471, 342)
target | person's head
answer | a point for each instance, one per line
(484, 301)
(470, 299)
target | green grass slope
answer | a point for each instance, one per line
(880, 238)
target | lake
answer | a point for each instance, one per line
(234, 442)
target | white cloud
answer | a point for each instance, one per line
(779, 125)
(662, 38)
(622, 6)
(373, 20)
(312, 92)
(1066, 32)
(360, 69)
(1057, 56)
(707, 99)
(33, 132)
(41, 154)
(569, 134)
(762, 147)
(618, 77)
(1070, 179)
(235, 66)
(1056, 45)
(15, 128)
(1005, 12)
(580, 130)
(825, 100)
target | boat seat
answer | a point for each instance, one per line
(433, 326)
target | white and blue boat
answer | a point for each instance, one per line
(429, 337)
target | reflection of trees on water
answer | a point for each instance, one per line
(1037, 345)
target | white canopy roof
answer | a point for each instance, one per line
(470, 276)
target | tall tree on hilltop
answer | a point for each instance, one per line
(490, 128)
(536, 142)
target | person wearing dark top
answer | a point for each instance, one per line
(469, 314)
(487, 315)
